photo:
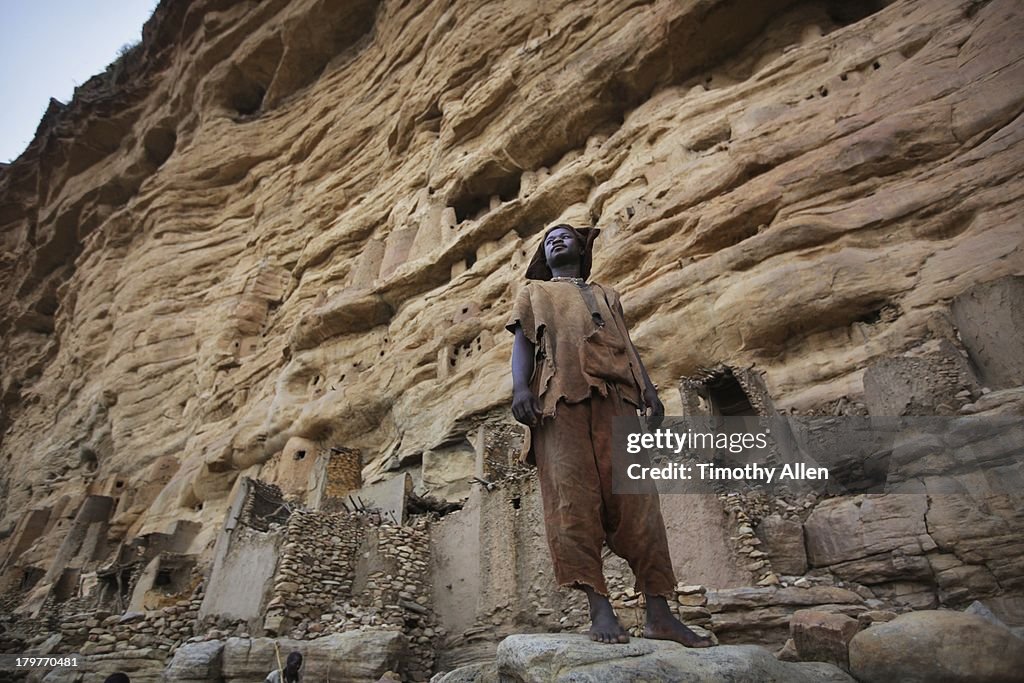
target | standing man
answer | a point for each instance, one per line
(291, 672)
(574, 369)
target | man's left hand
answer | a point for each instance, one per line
(653, 405)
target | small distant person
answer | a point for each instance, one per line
(574, 369)
(118, 678)
(291, 671)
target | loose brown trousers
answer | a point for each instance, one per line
(574, 463)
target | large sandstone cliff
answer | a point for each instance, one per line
(307, 220)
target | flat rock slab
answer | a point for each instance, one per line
(352, 657)
(577, 659)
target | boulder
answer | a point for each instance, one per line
(544, 658)
(196, 662)
(822, 636)
(145, 665)
(936, 646)
(984, 611)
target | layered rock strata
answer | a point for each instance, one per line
(279, 242)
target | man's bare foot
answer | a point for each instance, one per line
(662, 625)
(604, 626)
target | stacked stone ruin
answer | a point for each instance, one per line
(143, 634)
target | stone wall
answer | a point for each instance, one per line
(400, 590)
(492, 575)
(341, 572)
(314, 572)
(264, 506)
(932, 379)
(344, 475)
(97, 632)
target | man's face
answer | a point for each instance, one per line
(561, 248)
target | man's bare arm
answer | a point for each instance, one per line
(525, 406)
(650, 392)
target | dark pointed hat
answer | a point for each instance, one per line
(538, 268)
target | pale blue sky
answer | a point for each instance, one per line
(47, 47)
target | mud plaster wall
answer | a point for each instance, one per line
(698, 534)
(455, 565)
(492, 570)
(990, 320)
(31, 526)
(240, 580)
(388, 496)
(94, 509)
(294, 468)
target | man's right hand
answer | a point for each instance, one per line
(526, 407)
